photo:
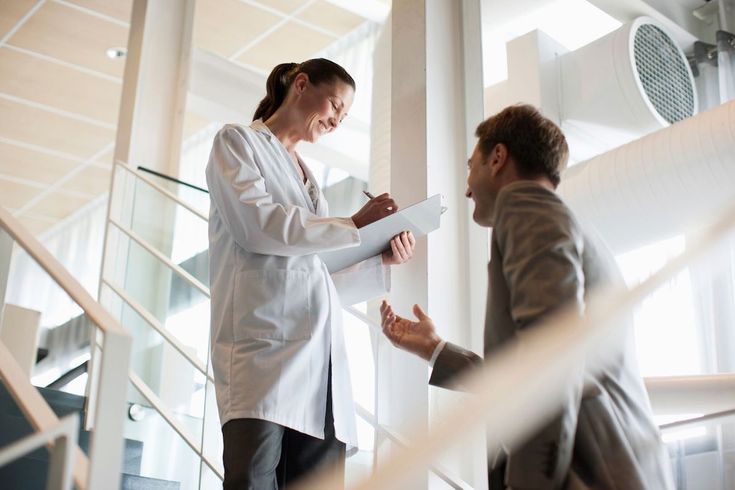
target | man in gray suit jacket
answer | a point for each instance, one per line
(604, 436)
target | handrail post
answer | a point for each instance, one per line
(62, 455)
(107, 439)
(6, 253)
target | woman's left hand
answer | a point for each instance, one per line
(401, 249)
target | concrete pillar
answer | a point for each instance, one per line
(436, 103)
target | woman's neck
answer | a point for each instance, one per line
(285, 130)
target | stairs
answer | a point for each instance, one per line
(30, 472)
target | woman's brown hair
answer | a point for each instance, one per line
(319, 70)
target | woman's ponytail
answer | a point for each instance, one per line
(276, 89)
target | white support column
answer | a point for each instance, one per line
(402, 377)
(436, 103)
(152, 107)
(149, 133)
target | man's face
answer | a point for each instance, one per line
(482, 186)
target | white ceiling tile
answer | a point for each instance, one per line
(73, 36)
(58, 205)
(330, 17)
(58, 86)
(32, 165)
(14, 195)
(285, 6)
(11, 11)
(117, 9)
(37, 127)
(291, 42)
(225, 26)
(92, 181)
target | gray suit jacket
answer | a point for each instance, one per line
(604, 437)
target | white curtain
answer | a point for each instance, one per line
(77, 244)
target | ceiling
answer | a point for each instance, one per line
(59, 92)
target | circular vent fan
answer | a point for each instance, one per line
(664, 74)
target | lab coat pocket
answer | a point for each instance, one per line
(272, 304)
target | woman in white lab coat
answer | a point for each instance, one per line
(278, 355)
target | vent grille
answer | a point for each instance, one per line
(663, 73)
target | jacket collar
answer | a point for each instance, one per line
(259, 126)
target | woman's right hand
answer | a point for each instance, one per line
(376, 208)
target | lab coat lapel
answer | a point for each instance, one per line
(295, 179)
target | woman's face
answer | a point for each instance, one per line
(322, 106)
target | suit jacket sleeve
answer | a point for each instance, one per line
(541, 249)
(452, 361)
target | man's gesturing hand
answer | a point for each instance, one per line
(418, 338)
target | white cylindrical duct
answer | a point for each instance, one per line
(661, 185)
(635, 80)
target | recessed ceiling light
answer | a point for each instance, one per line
(114, 53)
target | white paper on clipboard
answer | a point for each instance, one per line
(420, 218)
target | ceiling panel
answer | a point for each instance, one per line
(74, 36)
(34, 126)
(285, 6)
(291, 42)
(92, 181)
(55, 85)
(117, 9)
(193, 124)
(58, 205)
(32, 165)
(224, 26)
(11, 11)
(36, 224)
(328, 16)
(15, 195)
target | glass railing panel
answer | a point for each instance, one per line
(171, 228)
(197, 197)
(212, 437)
(163, 454)
(168, 373)
(177, 305)
(703, 456)
(210, 481)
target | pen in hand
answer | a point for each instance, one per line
(369, 196)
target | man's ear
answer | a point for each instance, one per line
(498, 159)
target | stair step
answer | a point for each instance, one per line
(30, 474)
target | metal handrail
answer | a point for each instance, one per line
(453, 481)
(35, 409)
(161, 257)
(161, 190)
(106, 451)
(156, 325)
(168, 416)
(63, 438)
(60, 275)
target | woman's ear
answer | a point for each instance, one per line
(300, 82)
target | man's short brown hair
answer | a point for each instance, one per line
(536, 144)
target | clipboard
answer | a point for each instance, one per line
(420, 218)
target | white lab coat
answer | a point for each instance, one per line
(276, 313)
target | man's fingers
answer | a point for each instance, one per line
(419, 313)
(411, 239)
